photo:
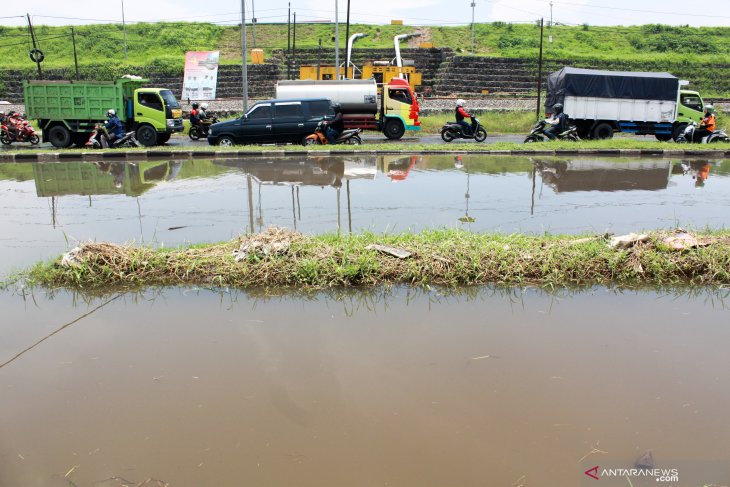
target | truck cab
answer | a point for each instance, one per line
(155, 115)
(690, 107)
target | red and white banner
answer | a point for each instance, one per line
(201, 75)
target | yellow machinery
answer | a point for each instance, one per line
(383, 74)
(325, 72)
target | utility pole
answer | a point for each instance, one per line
(539, 73)
(244, 67)
(294, 45)
(124, 30)
(337, 42)
(76, 61)
(550, 34)
(36, 53)
(253, 23)
(288, 43)
(319, 57)
(473, 4)
(347, 36)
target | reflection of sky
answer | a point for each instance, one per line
(215, 209)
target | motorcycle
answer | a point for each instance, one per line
(201, 130)
(454, 130)
(688, 133)
(22, 132)
(319, 137)
(537, 134)
(99, 139)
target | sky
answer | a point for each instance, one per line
(412, 12)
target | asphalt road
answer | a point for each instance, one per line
(184, 141)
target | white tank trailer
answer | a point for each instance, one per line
(355, 96)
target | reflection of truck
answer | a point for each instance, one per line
(593, 175)
(396, 113)
(67, 111)
(600, 103)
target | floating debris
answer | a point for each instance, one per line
(386, 249)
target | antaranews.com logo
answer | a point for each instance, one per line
(658, 474)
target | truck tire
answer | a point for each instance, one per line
(603, 131)
(663, 137)
(678, 131)
(80, 138)
(59, 136)
(394, 129)
(146, 135)
(163, 138)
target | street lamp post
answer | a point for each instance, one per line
(473, 4)
(124, 31)
(337, 42)
(244, 68)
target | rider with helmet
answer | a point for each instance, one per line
(195, 115)
(707, 126)
(558, 122)
(461, 114)
(336, 126)
(203, 111)
(114, 126)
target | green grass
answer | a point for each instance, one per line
(445, 257)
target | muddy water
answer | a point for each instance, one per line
(510, 387)
(174, 202)
(402, 388)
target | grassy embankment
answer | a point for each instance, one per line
(438, 257)
(698, 53)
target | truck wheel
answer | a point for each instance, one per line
(163, 138)
(663, 137)
(394, 129)
(59, 136)
(678, 131)
(603, 131)
(146, 135)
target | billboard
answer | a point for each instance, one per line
(201, 75)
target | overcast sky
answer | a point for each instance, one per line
(413, 12)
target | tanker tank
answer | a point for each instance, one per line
(355, 96)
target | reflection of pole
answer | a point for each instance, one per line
(349, 209)
(532, 201)
(338, 209)
(299, 206)
(293, 208)
(260, 219)
(139, 215)
(53, 211)
(249, 186)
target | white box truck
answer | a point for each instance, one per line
(600, 103)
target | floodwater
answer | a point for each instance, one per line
(399, 387)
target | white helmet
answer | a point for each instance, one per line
(460, 102)
(111, 112)
(204, 106)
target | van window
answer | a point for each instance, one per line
(259, 112)
(150, 100)
(288, 110)
(400, 94)
(320, 108)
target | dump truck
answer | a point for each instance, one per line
(68, 111)
(600, 103)
(358, 98)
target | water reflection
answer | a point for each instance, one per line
(195, 201)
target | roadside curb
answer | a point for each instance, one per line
(212, 154)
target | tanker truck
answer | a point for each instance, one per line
(600, 103)
(397, 111)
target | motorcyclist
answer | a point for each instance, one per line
(114, 126)
(195, 115)
(336, 126)
(461, 114)
(707, 126)
(558, 122)
(203, 111)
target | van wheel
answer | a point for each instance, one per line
(603, 131)
(59, 136)
(394, 129)
(226, 141)
(147, 136)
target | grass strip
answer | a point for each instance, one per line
(448, 257)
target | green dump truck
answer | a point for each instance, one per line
(67, 111)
